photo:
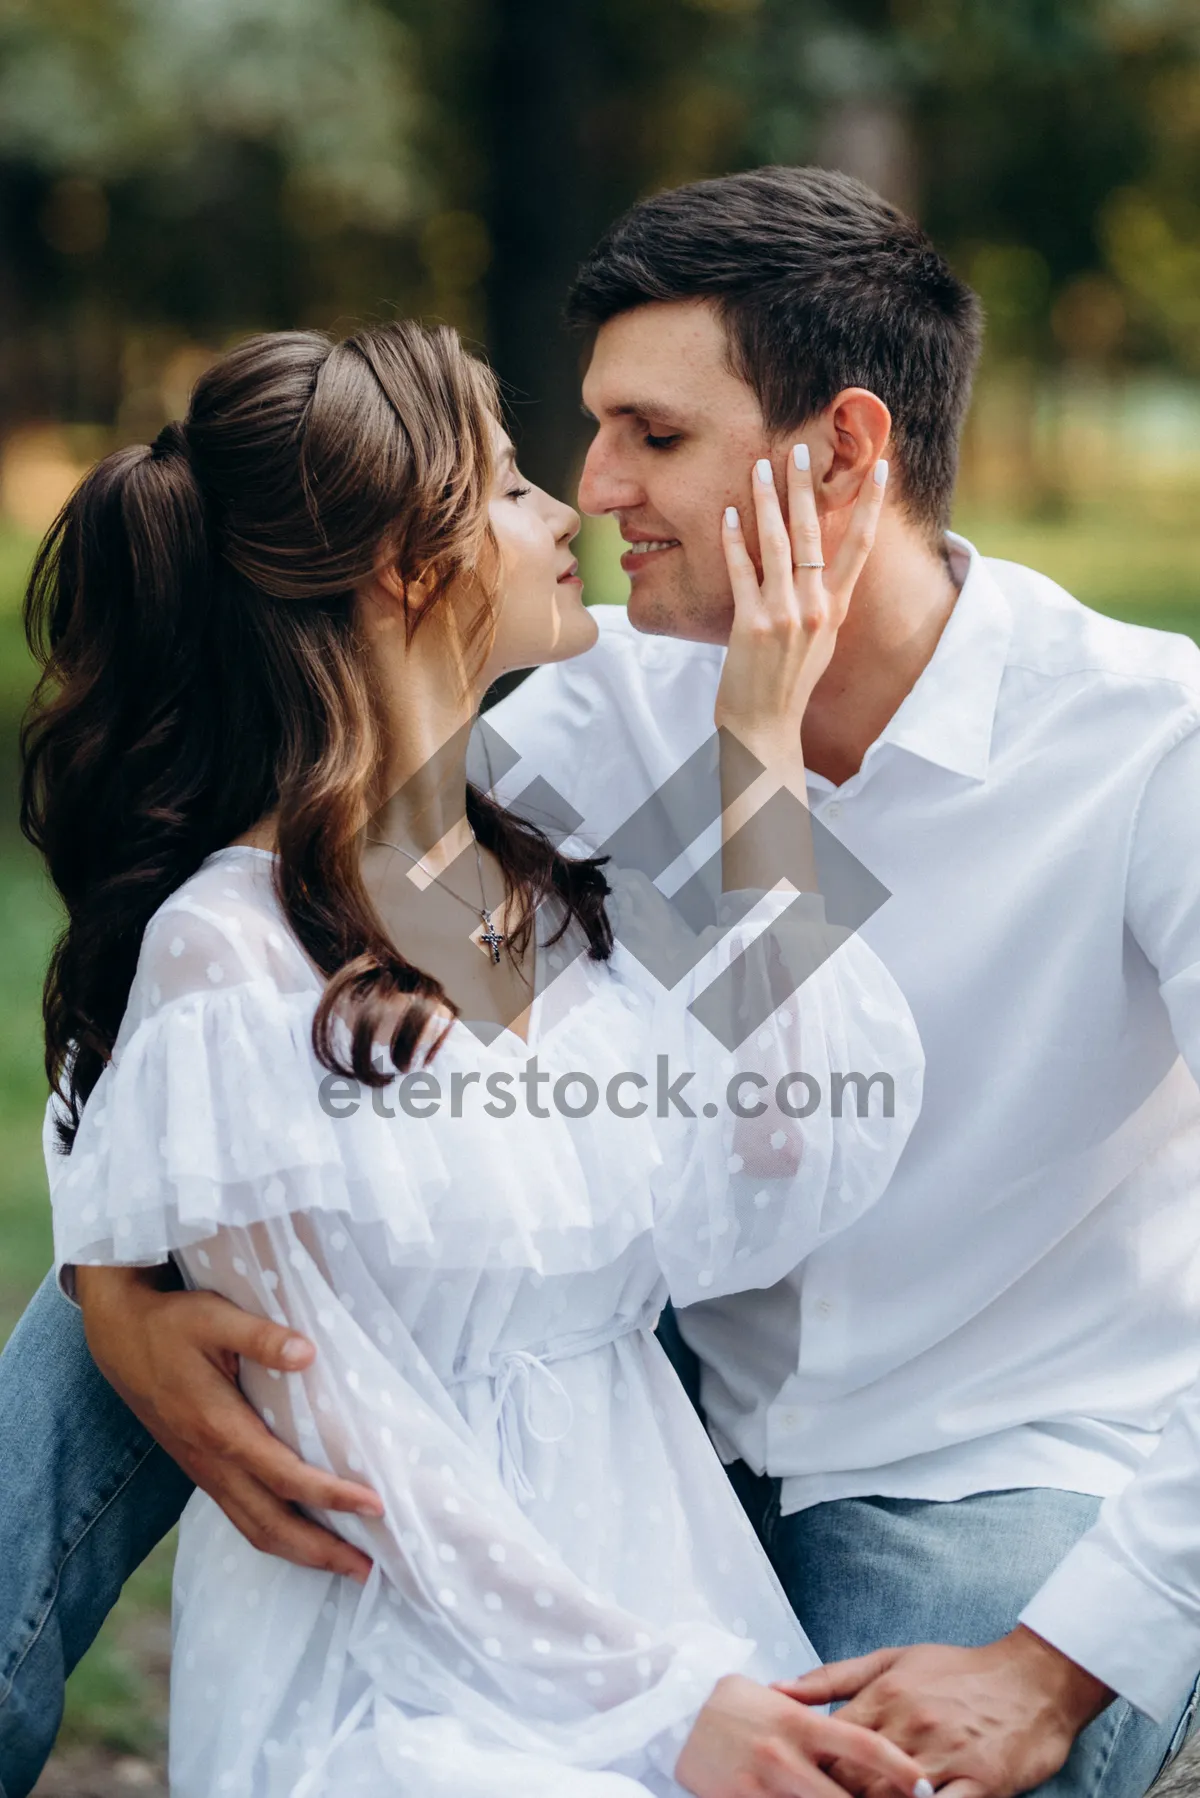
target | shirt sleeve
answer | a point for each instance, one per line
(1125, 1602)
(805, 1070)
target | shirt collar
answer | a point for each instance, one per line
(948, 716)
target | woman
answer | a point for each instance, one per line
(265, 641)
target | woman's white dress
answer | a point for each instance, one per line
(563, 1572)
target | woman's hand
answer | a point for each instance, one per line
(785, 626)
(750, 1741)
(173, 1357)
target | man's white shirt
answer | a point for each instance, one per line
(1022, 1308)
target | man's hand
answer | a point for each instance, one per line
(173, 1357)
(983, 1722)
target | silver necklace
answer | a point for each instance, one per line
(489, 934)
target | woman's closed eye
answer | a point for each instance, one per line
(518, 492)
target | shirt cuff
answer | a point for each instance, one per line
(1120, 1627)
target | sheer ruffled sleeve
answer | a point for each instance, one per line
(478, 1616)
(801, 1066)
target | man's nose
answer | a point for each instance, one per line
(604, 486)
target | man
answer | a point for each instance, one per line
(924, 1420)
(924, 1423)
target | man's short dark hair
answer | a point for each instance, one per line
(821, 284)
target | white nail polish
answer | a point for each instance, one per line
(881, 475)
(922, 1789)
(765, 472)
(731, 517)
(801, 458)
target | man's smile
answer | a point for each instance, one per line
(645, 549)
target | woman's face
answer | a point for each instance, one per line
(538, 605)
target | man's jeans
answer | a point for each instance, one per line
(85, 1494)
(865, 1573)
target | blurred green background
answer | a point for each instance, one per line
(173, 176)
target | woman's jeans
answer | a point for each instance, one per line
(85, 1494)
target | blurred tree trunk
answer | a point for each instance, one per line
(542, 214)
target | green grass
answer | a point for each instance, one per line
(1124, 563)
(27, 919)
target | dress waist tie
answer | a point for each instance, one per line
(518, 1375)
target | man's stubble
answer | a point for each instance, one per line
(684, 611)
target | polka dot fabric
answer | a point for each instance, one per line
(562, 1572)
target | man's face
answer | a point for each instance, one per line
(677, 434)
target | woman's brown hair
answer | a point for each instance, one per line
(193, 611)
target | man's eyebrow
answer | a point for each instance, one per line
(640, 409)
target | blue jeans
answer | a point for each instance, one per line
(866, 1573)
(85, 1494)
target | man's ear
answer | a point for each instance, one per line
(858, 429)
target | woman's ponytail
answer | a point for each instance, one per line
(195, 613)
(117, 614)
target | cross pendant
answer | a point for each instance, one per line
(491, 936)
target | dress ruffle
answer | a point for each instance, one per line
(212, 1117)
(216, 1113)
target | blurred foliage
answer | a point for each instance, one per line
(116, 88)
(175, 174)
(1051, 146)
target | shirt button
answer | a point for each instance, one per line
(788, 1419)
(824, 1308)
(833, 809)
